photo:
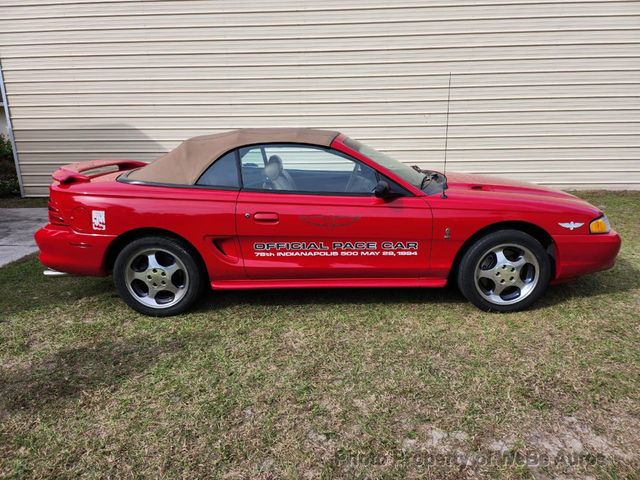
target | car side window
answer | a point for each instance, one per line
(304, 169)
(222, 173)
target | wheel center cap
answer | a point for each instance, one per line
(157, 278)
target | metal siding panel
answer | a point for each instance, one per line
(544, 91)
(159, 14)
(351, 56)
(299, 107)
(189, 125)
(360, 71)
(364, 39)
(32, 87)
(169, 36)
(334, 95)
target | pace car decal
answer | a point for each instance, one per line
(335, 249)
(98, 220)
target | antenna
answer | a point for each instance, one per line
(446, 138)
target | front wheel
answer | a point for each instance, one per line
(158, 276)
(505, 271)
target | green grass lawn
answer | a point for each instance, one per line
(324, 383)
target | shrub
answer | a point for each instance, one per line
(9, 186)
(6, 154)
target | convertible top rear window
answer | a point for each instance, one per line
(222, 173)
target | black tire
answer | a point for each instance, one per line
(470, 266)
(188, 279)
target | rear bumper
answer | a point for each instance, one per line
(580, 254)
(68, 251)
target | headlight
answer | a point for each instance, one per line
(600, 225)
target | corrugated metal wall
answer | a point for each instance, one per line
(546, 91)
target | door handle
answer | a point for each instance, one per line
(266, 217)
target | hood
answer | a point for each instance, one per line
(501, 193)
(468, 181)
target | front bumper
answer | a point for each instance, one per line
(580, 254)
(66, 250)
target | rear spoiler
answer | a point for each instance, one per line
(72, 173)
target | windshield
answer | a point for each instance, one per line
(404, 171)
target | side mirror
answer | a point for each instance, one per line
(382, 189)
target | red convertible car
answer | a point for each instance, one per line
(305, 208)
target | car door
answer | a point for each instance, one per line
(309, 212)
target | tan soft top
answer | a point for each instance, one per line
(184, 164)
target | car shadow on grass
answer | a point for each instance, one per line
(331, 296)
(624, 277)
(69, 373)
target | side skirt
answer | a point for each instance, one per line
(330, 283)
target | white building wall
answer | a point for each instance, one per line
(545, 91)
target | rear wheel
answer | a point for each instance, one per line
(158, 276)
(504, 271)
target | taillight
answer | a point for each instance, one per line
(55, 215)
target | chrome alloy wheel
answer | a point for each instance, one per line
(507, 274)
(156, 278)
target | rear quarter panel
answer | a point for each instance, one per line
(198, 215)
